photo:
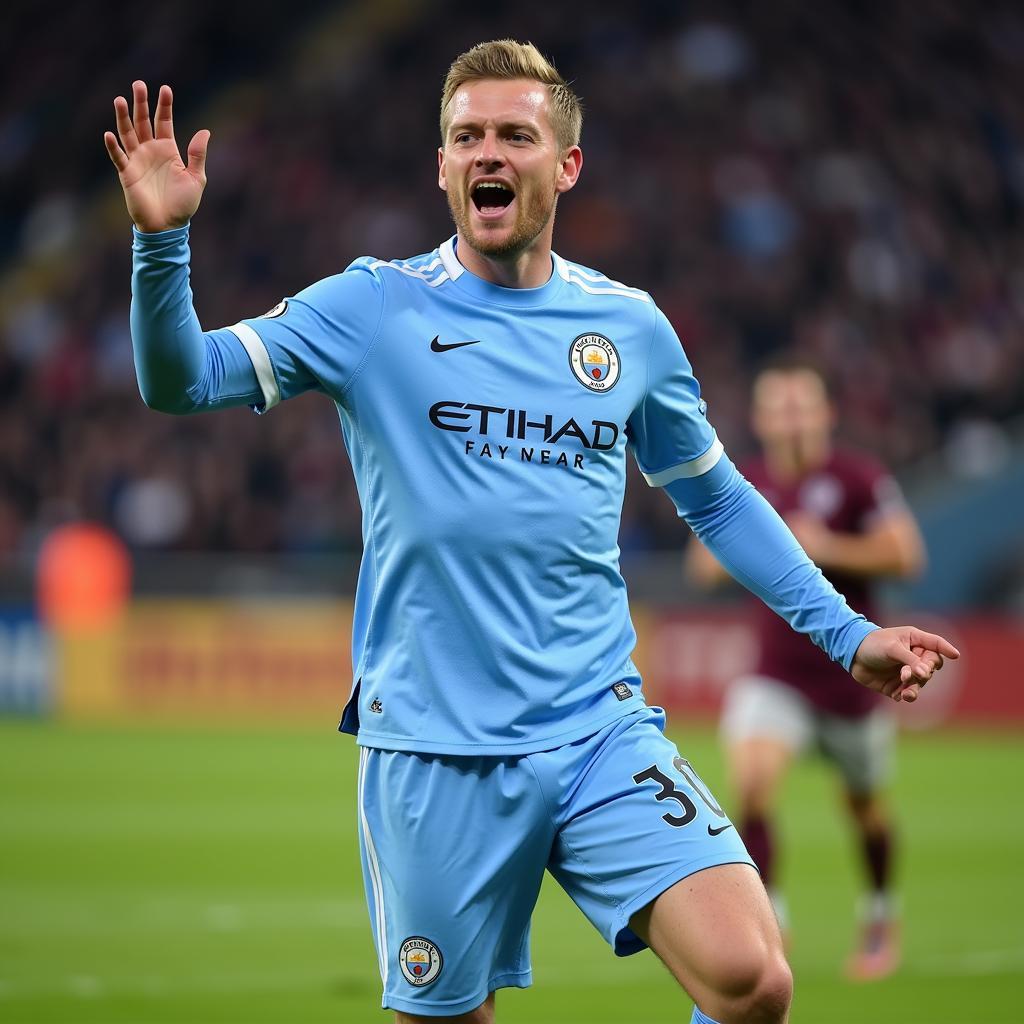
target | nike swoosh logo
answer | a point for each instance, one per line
(717, 831)
(436, 346)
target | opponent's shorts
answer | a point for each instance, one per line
(861, 748)
(454, 849)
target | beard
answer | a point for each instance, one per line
(534, 211)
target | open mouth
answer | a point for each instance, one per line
(492, 198)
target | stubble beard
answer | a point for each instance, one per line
(532, 217)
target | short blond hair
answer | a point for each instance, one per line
(508, 59)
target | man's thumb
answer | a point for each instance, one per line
(197, 154)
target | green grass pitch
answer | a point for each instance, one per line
(150, 876)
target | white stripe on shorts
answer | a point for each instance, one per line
(375, 882)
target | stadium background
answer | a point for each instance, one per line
(176, 819)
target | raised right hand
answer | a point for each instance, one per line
(160, 191)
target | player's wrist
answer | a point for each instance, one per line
(159, 228)
(160, 234)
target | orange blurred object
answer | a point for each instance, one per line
(83, 577)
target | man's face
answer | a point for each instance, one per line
(791, 407)
(501, 166)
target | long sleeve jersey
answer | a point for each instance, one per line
(488, 431)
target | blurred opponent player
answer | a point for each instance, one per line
(849, 516)
(487, 393)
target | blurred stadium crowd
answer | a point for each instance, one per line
(844, 180)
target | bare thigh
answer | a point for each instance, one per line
(716, 932)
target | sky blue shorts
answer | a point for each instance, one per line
(454, 850)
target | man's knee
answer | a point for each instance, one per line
(754, 989)
(716, 932)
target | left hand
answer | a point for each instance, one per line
(900, 660)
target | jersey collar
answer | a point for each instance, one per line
(467, 282)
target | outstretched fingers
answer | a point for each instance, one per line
(140, 98)
(163, 121)
(115, 152)
(125, 128)
(197, 154)
(134, 127)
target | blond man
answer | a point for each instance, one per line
(487, 393)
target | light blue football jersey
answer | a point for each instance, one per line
(487, 428)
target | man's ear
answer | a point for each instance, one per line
(442, 177)
(569, 172)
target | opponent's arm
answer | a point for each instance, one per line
(892, 546)
(180, 369)
(702, 568)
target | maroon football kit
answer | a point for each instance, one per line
(846, 495)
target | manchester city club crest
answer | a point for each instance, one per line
(279, 310)
(420, 960)
(594, 361)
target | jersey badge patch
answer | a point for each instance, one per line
(279, 310)
(594, 361)
(420, 960)
(622, 690)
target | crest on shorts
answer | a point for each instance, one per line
(594, 361)
(420, 960)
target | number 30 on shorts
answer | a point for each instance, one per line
(669, 792)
